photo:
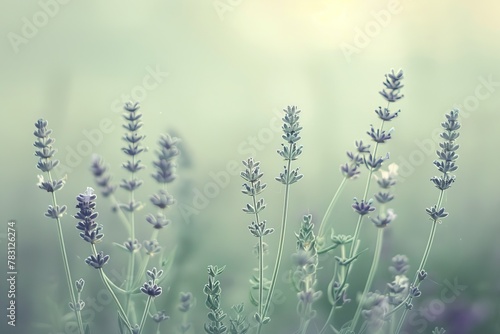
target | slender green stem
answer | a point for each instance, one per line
(427, 251)
(342, 253)
(114, 286)
(112, 293)
(261, 259)
(330, 316)
(416, 283)
(117, 302)
(328, 212)
(371, 275)
(131, 263)
(401, 321)
(331, 287)
(145, 314)
(431, 238)
(304, 321)
(280, 247)
(67, 270)
(261, 275)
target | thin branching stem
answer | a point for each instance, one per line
(131, 263)
(104, 279)
(427, 251)
(145, 314)
(328, 212)
(261, 257)
(335, 273)
(371, 275)
(67, 270)
(281, 245)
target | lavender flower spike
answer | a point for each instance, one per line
(91, 231)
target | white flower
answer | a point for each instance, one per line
(391, 173)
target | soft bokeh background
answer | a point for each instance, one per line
(232, 66)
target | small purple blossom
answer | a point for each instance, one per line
(132, 246)
(101, 176)
(162, 199)
(97, 261)
(436, 213)
(158, 221)
(385, 114)
(151, 289)
(379, 136)
(44, 150)
(363, 207)
(165, 164)
(392, 85)
(374, 163)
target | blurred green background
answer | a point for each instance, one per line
(222, 72)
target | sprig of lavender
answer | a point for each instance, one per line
(253, 187)
(46, 163)
(290, 151)
(369, 158)
(164, 174)
(91, 233)
(213, 292)
(446, 164)
(239, 323)
(152, 290)
(306, 259)
(132, 149)
(391, 93)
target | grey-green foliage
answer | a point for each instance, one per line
(304, 277)
(238, 323)
(213, 291)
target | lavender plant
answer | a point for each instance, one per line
(123, 294)
(446, 165)
(46, 163)
(253, 187)
(375, 308)
(317, 250)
